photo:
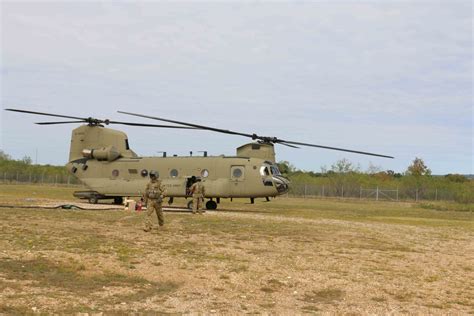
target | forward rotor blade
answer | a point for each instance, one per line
(280, 141)
(53, 123)
(151, 125)
(89, 120)
(46, 114)
(191, 125)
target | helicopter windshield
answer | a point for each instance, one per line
(275, 170)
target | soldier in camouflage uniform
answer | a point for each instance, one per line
(154, 194)
(198, 191)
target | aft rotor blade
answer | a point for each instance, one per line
(280, 141)
(46, 114)
(53, 123)
(190, 124)
(287, 145)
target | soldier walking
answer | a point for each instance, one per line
(154, 193)
(198, 191)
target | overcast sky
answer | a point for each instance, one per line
(388, 77)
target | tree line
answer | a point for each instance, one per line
(23, 170)
(417, 182)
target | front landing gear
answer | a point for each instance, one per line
(211, 205)
(93, 199)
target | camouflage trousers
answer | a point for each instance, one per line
(197, 203)
(154, 207)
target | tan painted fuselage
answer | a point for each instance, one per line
(101, 159)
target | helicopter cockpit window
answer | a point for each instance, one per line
(144, 173)
(115, 173)
(264, 171)
(275, 171)
(173, 173)
(127, 146)
(204, 173)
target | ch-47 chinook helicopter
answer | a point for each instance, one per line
(102, 160)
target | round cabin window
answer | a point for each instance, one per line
(173, 173)
(144, 173)
(204, 173)
(115, 173)
(237, 173)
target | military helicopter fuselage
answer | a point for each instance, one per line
(102, 160)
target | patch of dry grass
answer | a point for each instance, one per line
(308, 256)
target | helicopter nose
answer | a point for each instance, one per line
(281, 184)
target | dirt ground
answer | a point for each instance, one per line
(284, 257)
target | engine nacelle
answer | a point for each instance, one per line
(109, 153)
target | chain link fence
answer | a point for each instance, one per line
(376, 193)
(35, 178)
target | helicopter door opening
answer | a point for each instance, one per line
(189, 182)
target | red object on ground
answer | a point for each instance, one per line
(138, 208)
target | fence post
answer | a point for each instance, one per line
(397, 194)
(377, 194)
(416, 195)
(304, 196)
(436, 194)
(29, 181)
(323, 191)
(56, 180)
(68, 180)
(4, 177)
(360, 194)
(342, 192)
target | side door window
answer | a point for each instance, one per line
(237, 173)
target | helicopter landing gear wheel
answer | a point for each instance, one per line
(190, 205)
(93, 200)
(118, 200)
(211, 205)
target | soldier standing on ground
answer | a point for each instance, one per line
(198, 191)
(154, 195)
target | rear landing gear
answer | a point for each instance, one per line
(211, 205)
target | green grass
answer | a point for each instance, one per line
(67, 276)
(20, 191)
(65, 279)
(437, 215)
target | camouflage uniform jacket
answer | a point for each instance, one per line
(198, 190)
(155, 191)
